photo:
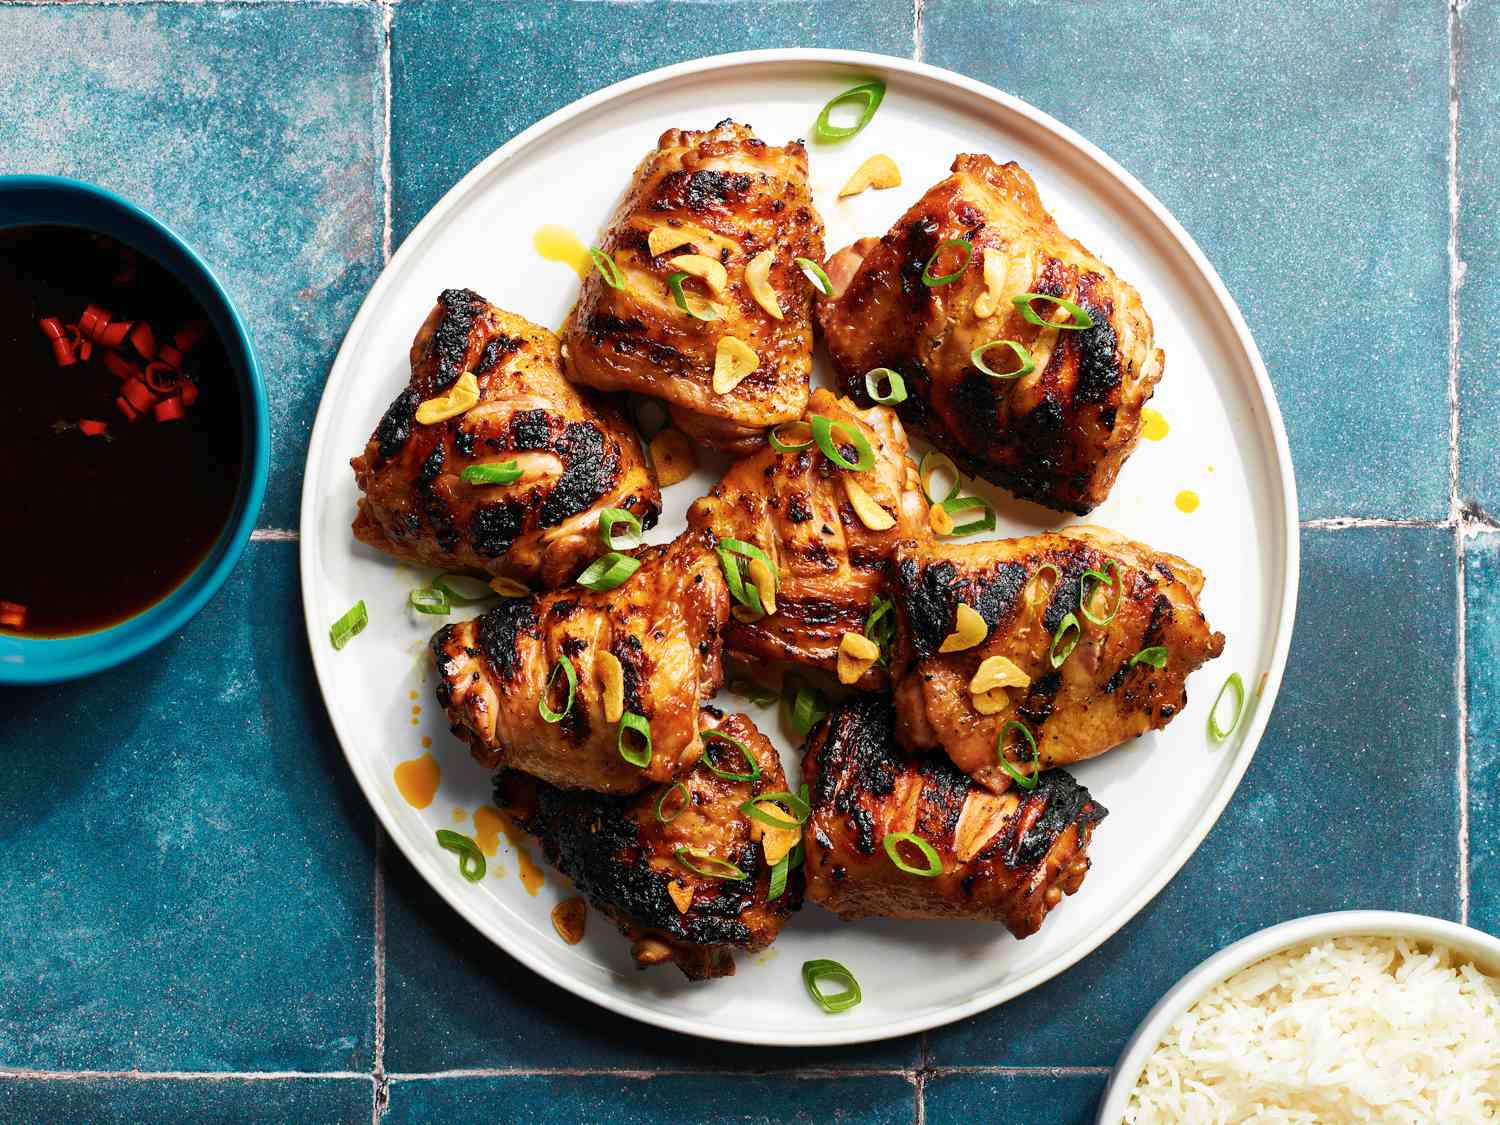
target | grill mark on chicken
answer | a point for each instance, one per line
(592, 466)
(499, 631)
(701, 191)
(450, 341)
(433, 465)
(496, 351)
(395, 424)
(933, 593)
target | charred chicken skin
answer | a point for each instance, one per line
(797, 507)
(1057, 435)
(659, 631)
(625, 859)
(1006, 858)
(1077, 686)
(724, 214)
(578, 455)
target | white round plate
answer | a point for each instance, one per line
(1226, 443)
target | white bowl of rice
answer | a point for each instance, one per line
(1358, 1016)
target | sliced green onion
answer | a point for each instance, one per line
(704, 311)
(744, 593)
(822, 430)
(805, 705)
(799, 809)
(565, 666)
(757, 694)
(781, 444)
(608, 571)
(897, 393)
(687, 800)
(1156, 656)
(1061, 637)
(1024, 780)
(463, 590)
(1080, 316)
(932, 464)
(497, 472)
(470, 859)
(880, 625)
(779, 872)
(892, 844)
(607, 268)
(609, 518)
(814, 273)
(709, 737)
(1238, 685)
(712, 867)
(346, 628)
(1056, 578)
(831, 1002)
(956, 504)
(1023, 357)
(871, 93)
(933, 282)
(429, 599)
(635, 755)
(1085, 594)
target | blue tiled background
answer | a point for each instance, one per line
(197, 917)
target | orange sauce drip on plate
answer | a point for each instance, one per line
(489, 823)
(1187, 500)
(417, 780)
(1153, 426)
(557, 244)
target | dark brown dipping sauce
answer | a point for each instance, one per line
(97, 529)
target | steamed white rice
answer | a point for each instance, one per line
(1345, 1030)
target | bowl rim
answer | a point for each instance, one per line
(46, 660)
(1474, 944)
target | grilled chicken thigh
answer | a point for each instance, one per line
(625, 859)
(1006, 858)
(662, 625)
(579, 455)
(1057, 435)
(796, 507)
(708, 206)
(1074, 704)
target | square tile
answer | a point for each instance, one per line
(254, 130)
(1351, 802)
(227, 1101)
(1482, 633)
(186, 871)
(1037, 1098)
(470, 75)
(1306, 151)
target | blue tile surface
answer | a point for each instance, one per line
(1482, 601)
(253, 130)
(1351, 802)
(102, 1101)
(1016, 1099)
(1306, 151)
(589, 1099)
(185, 863)
(470, 75)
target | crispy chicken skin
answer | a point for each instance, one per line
(1006, 858)
(1096, 699)
(737, 197)
(795, 507)
(1057, 436)
(663, 624)
(623, 858)
(583, 455)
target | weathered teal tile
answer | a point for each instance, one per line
(622, 1100)
(453, 1000)
(1305, 148)
(1351, 802)
(1039, 1098)
(186, 872)
(254, 130)
(1482, 636)
(470, 75)
(227, 1101)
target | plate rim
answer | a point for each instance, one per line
(703, 1026)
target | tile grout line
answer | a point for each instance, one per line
(32, 1075)
(918, 11)
(1455, 505)
(385, 156)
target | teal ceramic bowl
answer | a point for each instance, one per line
(28, 200)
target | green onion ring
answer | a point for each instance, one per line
(871, 93)
(756, 693)
(1028, 364)
(805, 705)
(1156, 656)
(1214, 732)
(744, 593)
(796, 806)
(498, 472)
(779, 871)
(831, 1002)
(429, 599)
(815, 274)
(566, 666)
(716, 868)
(880, 625)
(781, 445)
(687, 799)
(706, 312)
(892, 844)
(709, 736)
(470, 859)
(608, 571)
(1056, 578)
(1081, 318)
(947, 278)
(1069, 621)
(933, 463)
(463, 590)
(346, 628)
(1084, 593)
(607, 268)
(985, 522)
(1025, 781)
(630, 721)
(898, 385)
(822, 429)
(609, 518)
